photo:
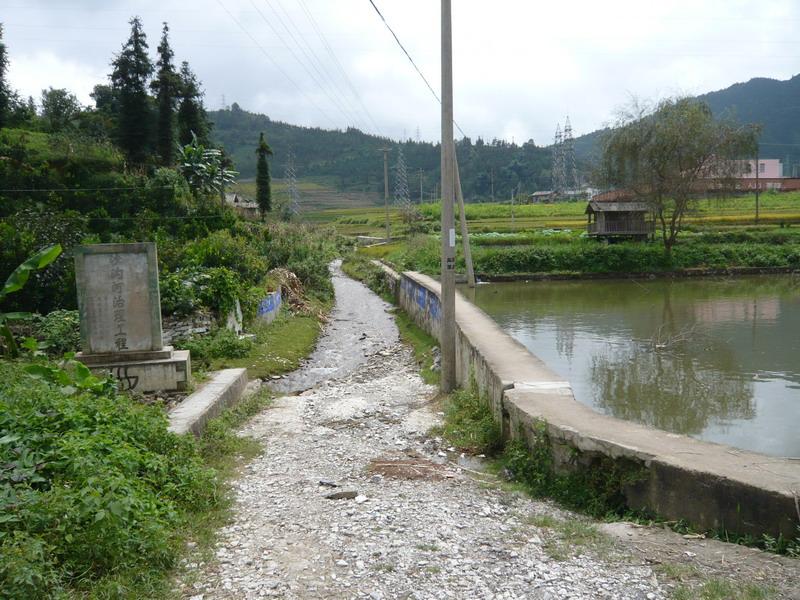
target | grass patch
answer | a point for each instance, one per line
(723, 589)
(278, 346)
(421, 343)
(568, 538)
(469, 424)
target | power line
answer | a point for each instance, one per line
(411, 60)
(302, 64)
(314, 60)
(338, 64)
(274, 62)
(79, 190)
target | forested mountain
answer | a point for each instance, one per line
(773, 103)
(356, 160)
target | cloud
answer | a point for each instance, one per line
(520, 67)
(30, 74)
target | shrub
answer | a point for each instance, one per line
(221, 249)
(222, 343)
(178, 293)
(60, 330)
(92, 484)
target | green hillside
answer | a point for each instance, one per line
(773, 103)
(352, 161)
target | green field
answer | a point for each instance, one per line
(316, 194)
(775, 209)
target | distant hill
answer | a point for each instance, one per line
(354, 162)
(773, 103)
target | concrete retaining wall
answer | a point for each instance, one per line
(224, 389)
(710, 485)
(269, 307)
(177, 328)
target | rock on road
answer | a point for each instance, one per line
(411, 525)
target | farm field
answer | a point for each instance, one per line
(716, 214)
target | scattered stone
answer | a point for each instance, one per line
(426, 535)
(328, 483)
(345, 495)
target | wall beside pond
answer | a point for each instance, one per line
(710, 485)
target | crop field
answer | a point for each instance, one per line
(316, 194)
(776, 209)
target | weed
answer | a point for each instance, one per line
(278, 346)
(721, 589)
(469, 423)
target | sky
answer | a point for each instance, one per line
(520, 66)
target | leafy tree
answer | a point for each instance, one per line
(205, 169)
(669, 155)
(192, 119)
(5, 92)
(132, 69)
(59, 109)
(166, 86)
(263, 185)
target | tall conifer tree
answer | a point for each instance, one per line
(132, 69)
(263, 180)
(166, 86)
(191, 113)
(5, 92)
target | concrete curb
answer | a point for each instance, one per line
(223, 390)
(678, 477)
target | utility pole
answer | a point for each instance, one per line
(386, 191)
(491, 175)
(464, 231)
(448, 298)
(758, 185)
(512, 210)
(420, 183)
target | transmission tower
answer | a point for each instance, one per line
(291, 178)
(401, 194)
(559, 174)
(570, 170)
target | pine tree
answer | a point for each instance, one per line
(5, 92)
(263, 180)
(191, 113)
(132, 69)
(166, 85)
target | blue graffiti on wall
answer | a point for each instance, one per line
(269, 304)
(426, 300)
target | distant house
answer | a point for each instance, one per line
(618, 219)
(242, 205)
(543, 197)
(769, 168)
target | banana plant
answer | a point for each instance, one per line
(15, 282)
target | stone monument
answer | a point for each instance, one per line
(120, 314)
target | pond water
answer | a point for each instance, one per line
(717, 359)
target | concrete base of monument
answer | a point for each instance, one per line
(171, 373)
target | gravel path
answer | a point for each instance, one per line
(413, 524)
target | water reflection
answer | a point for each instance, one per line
(714, 358)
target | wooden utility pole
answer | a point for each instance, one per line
(491, 175)
(420, 186)
(448, 280)
(386, 191)
(758, 185)
(464, 231)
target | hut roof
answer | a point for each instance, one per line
(595, 206)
